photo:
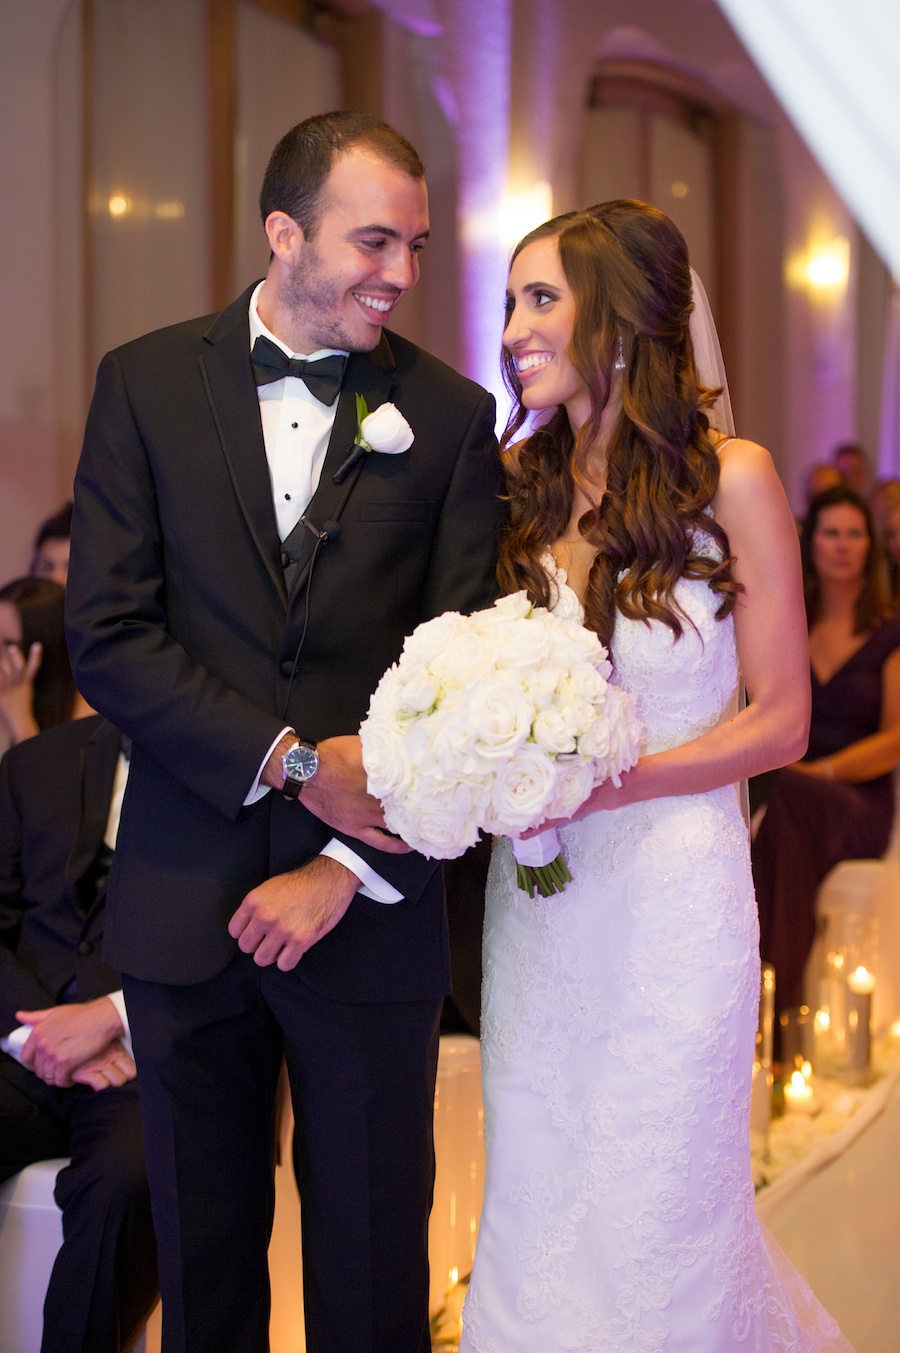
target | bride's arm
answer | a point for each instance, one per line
(770, 626)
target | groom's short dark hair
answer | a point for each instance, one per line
(302, 161)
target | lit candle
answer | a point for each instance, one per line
(760, 1099)
(799, 1095)
(860, 986)
(766, 1033)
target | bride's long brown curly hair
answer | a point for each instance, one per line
(627, 266)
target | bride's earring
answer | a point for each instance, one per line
(619, 363)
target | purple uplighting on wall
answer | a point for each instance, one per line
(478, 45)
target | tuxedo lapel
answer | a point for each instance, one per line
(98, 769)
(231, 390)
(369, 375)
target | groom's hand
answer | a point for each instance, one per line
(282, 918)
(339, 793)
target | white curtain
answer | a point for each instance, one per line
(835, 67)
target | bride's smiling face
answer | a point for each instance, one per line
(540, 318)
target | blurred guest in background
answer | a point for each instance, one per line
(838, 802)
(819, 477)
(51, 547)
(885, 496)
(67, 1075)
(37, 689)
(891, 537)
(853, 464)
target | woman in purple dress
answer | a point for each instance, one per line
(838, 802)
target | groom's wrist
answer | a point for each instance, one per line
(273, 773)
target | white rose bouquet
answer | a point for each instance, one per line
(494, 722)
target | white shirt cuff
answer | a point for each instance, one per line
(371, 884)
(15, 1041)
(118, 1000)
(258, 791)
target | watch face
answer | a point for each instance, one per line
(300, 763)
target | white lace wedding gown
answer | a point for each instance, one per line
(617, 1040)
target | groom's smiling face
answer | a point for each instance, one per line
(364, 254)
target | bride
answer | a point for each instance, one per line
(619, 1016)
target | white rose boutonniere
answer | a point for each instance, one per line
(384, 430)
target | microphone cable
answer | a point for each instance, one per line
(330, 531)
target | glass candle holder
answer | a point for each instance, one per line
(842, 1022)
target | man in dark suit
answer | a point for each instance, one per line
(67, 1083)
(236, 590)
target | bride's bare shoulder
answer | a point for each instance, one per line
(740, 460)
(750, 491)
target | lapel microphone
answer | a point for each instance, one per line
(330, 531)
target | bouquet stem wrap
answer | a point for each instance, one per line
(539, 865)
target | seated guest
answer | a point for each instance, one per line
(67, 1078)
(892, 552)
(853, 464)
(50, 557)
(37, 689)
(838, 802)
(818, 478)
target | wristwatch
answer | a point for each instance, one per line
(299, 763)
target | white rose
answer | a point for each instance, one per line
(384, 757)
(441, 826)
(574, 782)
(514, 607)
(588, 683)
(572, 643)
(597, 741)
(521, 644)
(580, 715)
(552, 732)
(386, 430)
(614, 741)
(501, 715)
(521, 790)
(463, 660)
(541, 686)
(417, 692)
(439, 748)
(431, 636)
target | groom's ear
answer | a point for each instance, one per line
(285, 237)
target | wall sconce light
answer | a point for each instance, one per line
(828, 265)
(822, 270)
(514, 217)
(119, 205)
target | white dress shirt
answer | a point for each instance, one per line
(296, 428)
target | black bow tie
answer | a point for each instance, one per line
(323, 378)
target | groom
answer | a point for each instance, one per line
(234, 597)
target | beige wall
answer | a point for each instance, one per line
(32, 477)
(802, 370)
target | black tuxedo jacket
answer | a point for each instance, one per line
(54, 803)
(182, 633)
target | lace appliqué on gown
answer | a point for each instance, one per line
(618, 1027)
